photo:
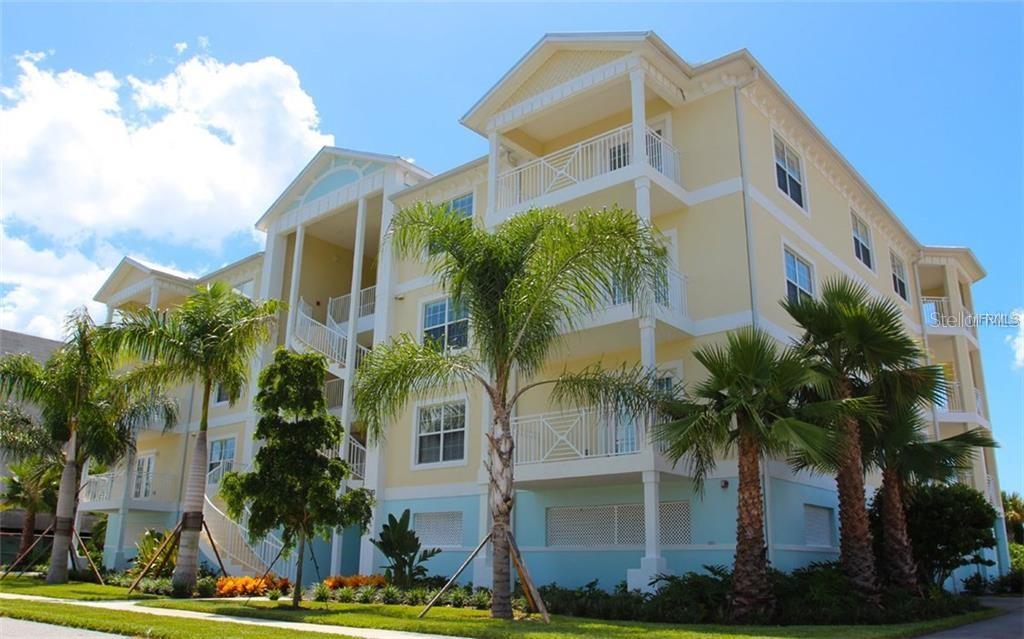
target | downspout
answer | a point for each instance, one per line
(754, 316)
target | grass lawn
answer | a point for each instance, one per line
(137, 624)
(71, 590)
(477, 624)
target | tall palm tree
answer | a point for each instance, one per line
(851, 339)
(522, 284)
(32, 488)
(90, 407)
(746, 404)
(211, 339)
(905, 454)
(1013, 511)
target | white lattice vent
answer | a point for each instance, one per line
(675, 523)
(817, 526)
(438, 529)
(612, 525)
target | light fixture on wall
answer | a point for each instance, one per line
(724, 484)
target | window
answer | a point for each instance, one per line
(438, 529)
(817, 526)
(445, 324)
(799, 285)
(862, 241)
(222, 395)
(245, 288)
(463, 205)
(899, 276)
(441, 433)
(222, 457)
(144, 465)
(788, 173)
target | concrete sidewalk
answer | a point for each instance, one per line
(1008, 626)
(21, 629)
(133, 606)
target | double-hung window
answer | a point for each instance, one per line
(441, 433)
(789, 173)
(445, 324)
(799, 282)
(222, 457)
(862, 241)
(463, 205)
(222, 396)
(899, 276)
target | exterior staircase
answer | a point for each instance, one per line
(240, 557)
(326, 340)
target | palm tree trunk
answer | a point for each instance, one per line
(28, 530)
(855, 552)
(752, 598)
(187, 566)
(65, 516)
(297, 589)
(500, 497)
(898, 553)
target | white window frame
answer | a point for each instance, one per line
(894, 261)
(831, 526)
(789, 247)
(472, 203)
(790, 147)
(424, 302)
(415, 430)
(216, 397)
(856, 219)
(209, 453)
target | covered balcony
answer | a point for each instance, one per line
(146, 491)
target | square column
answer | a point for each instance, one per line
(638, 104)
(492, 172)
(652, 564)
(293, 291)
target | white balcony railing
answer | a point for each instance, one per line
(581, 434)
(356, 458)
(338, 307)
(141, 487)
(580, 162)
(671, 296)
(936, 310)
(333, 392)
(329, 342)
(953, 402)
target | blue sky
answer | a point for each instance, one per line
(924, 99)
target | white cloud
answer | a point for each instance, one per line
(180, 47)
(1016, 341)
(190, 158)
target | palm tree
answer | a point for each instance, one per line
(522, 284)
(90, 407)
(746, 403)
(1013, 510)
(211, 338)
(32, 488)
(851, 339)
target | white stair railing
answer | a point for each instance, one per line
(356, 458)
(232, 539)
(321, 338)
(333, 393)
(338, 307)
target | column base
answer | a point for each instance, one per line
(640, 578)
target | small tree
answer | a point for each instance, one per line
(295, 483)
(31, 487)
(400, 545)
(949, 526)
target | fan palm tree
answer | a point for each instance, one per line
(522, 284)
(211, 339)
(851, 339)
(32, 488)
(746, 404)
(90, 407)
(906, 455)
(1013, 510)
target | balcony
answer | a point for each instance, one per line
(338, 310)
(147, 491)
(938, 315)
(572, 435)
(953, 402)
(581, 165)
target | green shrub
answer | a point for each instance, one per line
(389, 594)
(481, 599)
(1011, 583)
(206, 587)
(320, 592)
(1017, 557)
(345, 595)
(274, 594)
(365, 594)
(456, 597)
(150, 586)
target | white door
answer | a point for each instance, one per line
(144, 466)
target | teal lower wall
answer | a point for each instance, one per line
(449, 560)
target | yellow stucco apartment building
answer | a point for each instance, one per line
(755, 204)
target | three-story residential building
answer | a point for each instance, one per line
(755, 205)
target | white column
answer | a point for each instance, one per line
(638, 103)
(492, 173)
(648, 353)
(110, 314)
(652, 563)
(154, 296)
(642, 186)
(293, 292)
